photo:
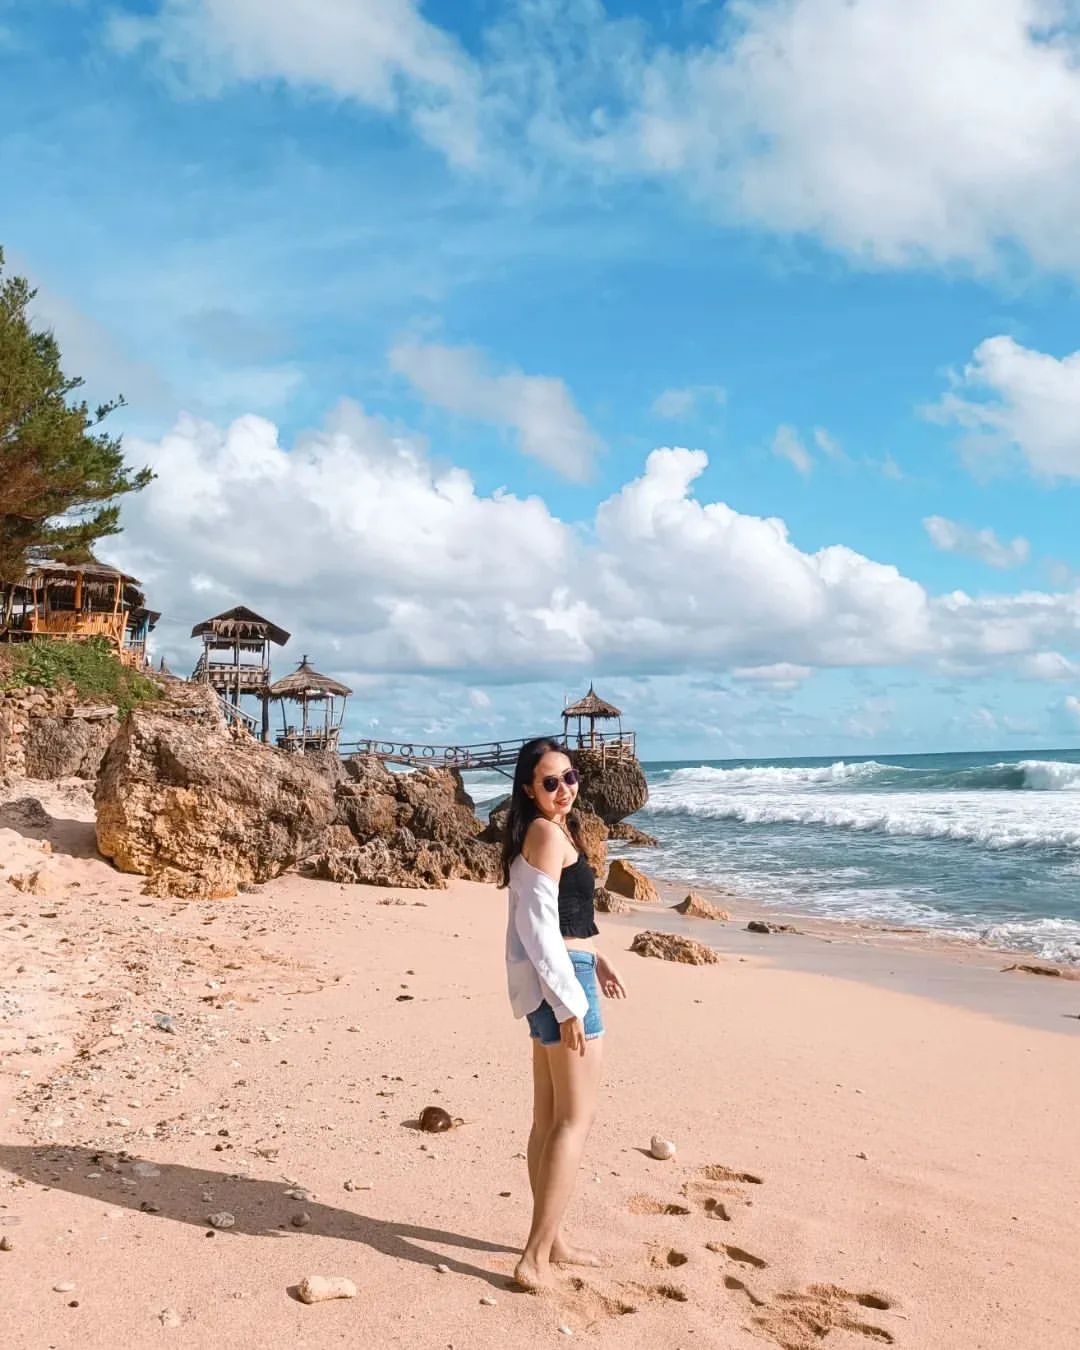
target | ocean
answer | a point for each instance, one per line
(984, 846)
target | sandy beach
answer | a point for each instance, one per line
(876, 1139)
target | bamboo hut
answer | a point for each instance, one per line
(591, 709)
(235, 659)
(77, 601)
(314, 693)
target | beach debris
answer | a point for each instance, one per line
(169, 1317)
(673, 947)
(404, 998)
(607, 902)
(661, 1148)
(435, 1120)
(63, 1286)
(222, 1219)
(6, 1244)
(564, 1330)
(624, 879)
(301, 1219)
(443, 1268)
(1054, 971)
(300, 1193)
(321, 1288)
(697, 907)
(486, 1301)
(164, 1022)
(763, 926)
(862, 1156)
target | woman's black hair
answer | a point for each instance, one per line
(523, 809)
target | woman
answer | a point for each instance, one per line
(553, 970)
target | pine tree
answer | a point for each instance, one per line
(59, 475)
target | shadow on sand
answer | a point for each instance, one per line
(261, 1208)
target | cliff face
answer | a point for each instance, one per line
(44, 734)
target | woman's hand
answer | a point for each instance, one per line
(572, 1035)
(610, 984)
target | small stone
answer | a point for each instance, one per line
(300, 1193)
(443, 1268)
(564, 1330)
(169, 1317)
(319, 1288)
(6, 1244)
(354, 1028)
(223, 1219)
(164, 1022)
(146, 1169)
(661, 1148)
(121, 1122)
(487, 1302)
(862, 1156)
(300, 1220)
(64, 1286)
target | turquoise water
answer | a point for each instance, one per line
(982, 845)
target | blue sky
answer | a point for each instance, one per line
(530, 245)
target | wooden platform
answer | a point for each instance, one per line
(498, 755)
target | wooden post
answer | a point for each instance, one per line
(266, 716)
(78, 592)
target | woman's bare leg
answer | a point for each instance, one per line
(575, 1080)
(562, 1252)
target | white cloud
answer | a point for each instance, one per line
(356, 542)
(1010, 398)
(680, 403)
(787, 444)
(382, 53)
(1048, 666)
(538, 408)
(982, 545)
(1071, 705)
(828, 444)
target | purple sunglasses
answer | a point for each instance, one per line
(571, 778)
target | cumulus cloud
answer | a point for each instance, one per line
(787, 444)
(1011, 399)
(677, 404)
(538, 408)
(357, 542)
(982, 545)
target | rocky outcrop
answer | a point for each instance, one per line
(406, 829)
(624, 879)
(697, 907)
(607, 902)
(630, 834)
(46, 733)
(200, 809)
(610, 788)
(592, 832)
(672, 947)
(764, 926)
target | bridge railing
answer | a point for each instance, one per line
(486, 754)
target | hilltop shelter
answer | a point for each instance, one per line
(235, 660)
(77, 601)
(306, 686)
(592, 709)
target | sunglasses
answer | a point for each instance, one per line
(571, 778)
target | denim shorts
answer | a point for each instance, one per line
(543, 1024)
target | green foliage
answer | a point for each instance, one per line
(59, 475)
(92, 668)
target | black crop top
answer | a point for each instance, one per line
(577, 886)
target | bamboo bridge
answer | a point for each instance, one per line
(497, 755)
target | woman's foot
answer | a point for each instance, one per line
(532, 1274)
(563, 1254)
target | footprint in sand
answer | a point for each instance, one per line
(744, 1258)
(716, 1180)
(666, 1257)
(802, 1319)
(645, 1204)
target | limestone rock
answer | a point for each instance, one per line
(607, 902)
(697, 907)
(624, 879)
(673, 947)
(201, 811)
(404, 829)
(319, 1288)
(763, 926)
(592, 832)
(35, 882)
(610, 788)
(630, 834)
(68, 747)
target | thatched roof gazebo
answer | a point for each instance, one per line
(306, 686)
(235, 659)
(593, 709)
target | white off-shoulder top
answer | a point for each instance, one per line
(538, 965)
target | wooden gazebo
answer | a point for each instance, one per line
(592, 709)
(306, 687)
(235, 659)
(76, 601)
